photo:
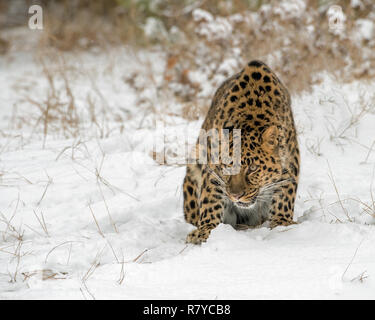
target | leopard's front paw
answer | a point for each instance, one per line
(275, 223)
(197, 237)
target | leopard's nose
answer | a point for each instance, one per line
(237, 196)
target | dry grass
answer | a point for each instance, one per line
(45, 274)
(297, 47)
(362, 276)
(42, 222)
(340, 201)
(11, 231)
(58, 246)
(57, 111)
(17, 257)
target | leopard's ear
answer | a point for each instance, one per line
(270, 138)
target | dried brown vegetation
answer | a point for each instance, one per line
(203, 48)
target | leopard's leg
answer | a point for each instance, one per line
(283, 205)
(191, 192)
(283, 200)
(211, 210)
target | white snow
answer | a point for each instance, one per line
(200, 14)
(356, 4)
(290, 9)
(212, 28)
(364, 29)
(135, 247)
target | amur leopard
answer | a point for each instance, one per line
(263, 182)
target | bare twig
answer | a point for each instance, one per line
(45, 190)
(351, 261)
(59, 245)
(337, 193)
(96, 222)
(42, 222)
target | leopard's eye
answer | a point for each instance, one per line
(253, 168)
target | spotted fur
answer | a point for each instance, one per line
(264, 189)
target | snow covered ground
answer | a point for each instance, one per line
(96, 217)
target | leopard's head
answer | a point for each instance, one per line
(259, 171)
